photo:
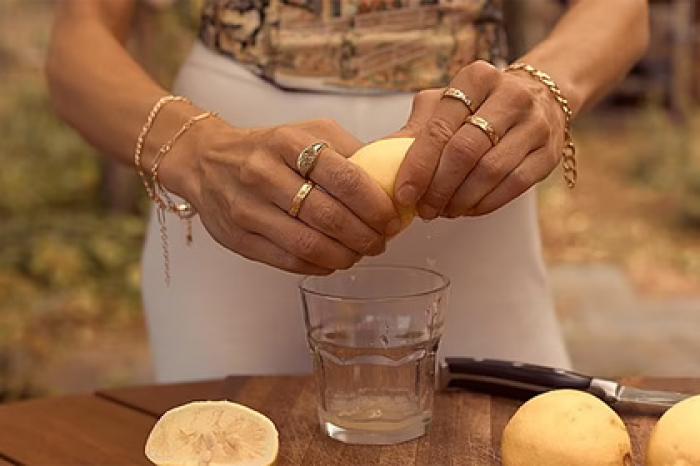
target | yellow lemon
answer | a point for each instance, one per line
(565, 428)
(675, 440)
(381, 160)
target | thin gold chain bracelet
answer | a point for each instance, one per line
(163, 200)
(568, 152)
(184, 210)
(155, 190)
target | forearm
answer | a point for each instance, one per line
(592, 48)
(100, 90)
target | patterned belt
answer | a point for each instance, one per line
(342, 45)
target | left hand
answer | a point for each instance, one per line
(452, 169)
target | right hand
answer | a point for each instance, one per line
(242, 182)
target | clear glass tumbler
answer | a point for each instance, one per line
(374, 332)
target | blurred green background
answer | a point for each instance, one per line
(71, 223)
(622, 247)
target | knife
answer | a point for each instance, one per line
(523, 381)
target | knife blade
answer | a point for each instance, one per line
(522, 380)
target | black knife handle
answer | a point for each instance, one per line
(510, 379)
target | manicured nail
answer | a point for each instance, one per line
(393, 227)
(427, 212)
(407, 196)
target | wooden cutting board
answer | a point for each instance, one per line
(466, 430)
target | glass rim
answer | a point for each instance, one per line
(341, 297)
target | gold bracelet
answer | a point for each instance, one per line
(156, 192)
(163, 200)
(150, 119)
(569, 151)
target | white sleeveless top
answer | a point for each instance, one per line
(224, 314)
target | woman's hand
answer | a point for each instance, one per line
(242, 182)
(452, 168)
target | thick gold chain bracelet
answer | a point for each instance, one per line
(568, 152)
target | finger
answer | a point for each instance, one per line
(505, 107)
(332, 218)
(417, 169)
(330, 132)
(259, 216)
(534, 168)
(258, 248)
(494, 166)
(306, 243)
(424, 104)
(344, 144)
(325, 214)
(263, 250)
(268, 178)
(346, 182)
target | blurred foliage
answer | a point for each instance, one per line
(45, 165)
(66, 263)
(164, 35)
(69, 267)
(638, 200)
(665, 156)
(661, 152)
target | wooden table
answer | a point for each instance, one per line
(111, 426)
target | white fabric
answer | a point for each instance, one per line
(224, 314)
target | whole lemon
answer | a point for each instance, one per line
(381, 160)
(675, 440)
(565, 428)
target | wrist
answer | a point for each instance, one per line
(562, 74)
(569, 150)
(180, 172)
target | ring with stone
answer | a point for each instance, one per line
(307, 158)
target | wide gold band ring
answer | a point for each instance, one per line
(458, 94)
(299, 198)
(307, 158)
(484, 126)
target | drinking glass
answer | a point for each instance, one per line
(373, 332)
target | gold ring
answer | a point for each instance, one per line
(308, 157)
(485, 126)
(458, 94)
(299, 198)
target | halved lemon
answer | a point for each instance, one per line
(213, 433)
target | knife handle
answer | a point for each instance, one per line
(510, 379)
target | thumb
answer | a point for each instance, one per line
(424, 105)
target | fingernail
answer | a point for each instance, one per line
(427, 212)
(393, 227)
(407, 196)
